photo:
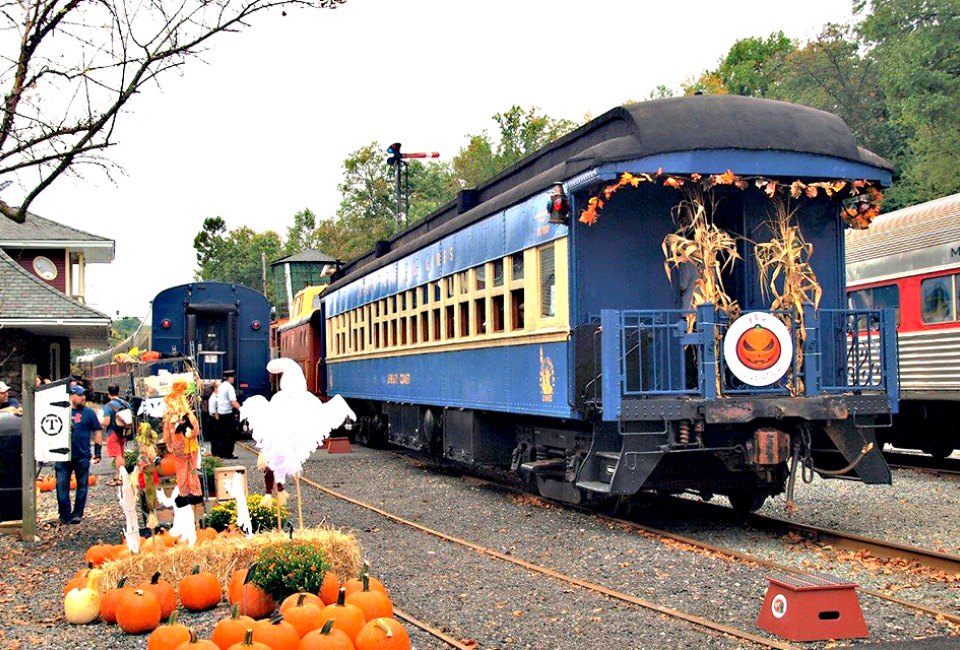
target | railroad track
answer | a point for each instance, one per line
(950, 466)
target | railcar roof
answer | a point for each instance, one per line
(917, 227)
(678, 124)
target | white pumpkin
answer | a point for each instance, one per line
(82, 605)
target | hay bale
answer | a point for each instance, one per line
(226, 554)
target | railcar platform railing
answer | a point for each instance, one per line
(673, 353)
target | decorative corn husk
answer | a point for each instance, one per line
(786, 274)
(700, 242)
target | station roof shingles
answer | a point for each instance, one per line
(26, 297)
(37, 231)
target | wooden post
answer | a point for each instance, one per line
(28, 466)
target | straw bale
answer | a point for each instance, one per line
(226, 554)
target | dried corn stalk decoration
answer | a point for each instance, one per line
(786, 275)
(709, 249)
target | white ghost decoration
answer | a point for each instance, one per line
(128, 502)
(235, 488)
(184, 518)
(294, 422)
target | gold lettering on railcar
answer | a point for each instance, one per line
(401, 379)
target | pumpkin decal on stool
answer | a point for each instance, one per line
(758, 348)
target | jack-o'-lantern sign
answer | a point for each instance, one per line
(758, 349)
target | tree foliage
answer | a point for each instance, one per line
(234, 255)
(72, 66)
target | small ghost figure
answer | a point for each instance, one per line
(294, 422)
(236, 488)
(184, 518)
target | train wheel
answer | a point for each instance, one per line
(747, 499)
(938, 449)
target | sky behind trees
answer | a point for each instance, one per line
(261, 130)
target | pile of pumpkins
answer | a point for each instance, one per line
(357, 615)
(49, 483)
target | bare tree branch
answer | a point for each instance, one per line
(78, 63)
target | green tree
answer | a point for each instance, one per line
(751, 67)
(914, 44)
(234, 255)
(303, 234)
(121, 328)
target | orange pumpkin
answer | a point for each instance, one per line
(166, 538)
(196, 643)
(326, 638)
(231, 630)
(46, 484)
(169, 635)
(294, 599)
(348, 618)
(199, 591)
(99, 553)
(304, 615)
(758, 348)
(330, 588)
(168, 466)
(206, 535)
(80, 578)
(356, 584)
(373, 603)
(253, 600)
(73, 482)
(165, 593)
(276, 634)
(92, 480)
(110, 600)
(247, 642)
(138, 612)
(383, 634)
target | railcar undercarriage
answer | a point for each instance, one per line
(718, 451)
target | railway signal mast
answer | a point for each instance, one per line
(398, 160)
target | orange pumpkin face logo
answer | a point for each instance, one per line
(758, 348)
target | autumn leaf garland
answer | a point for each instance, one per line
(862, 197)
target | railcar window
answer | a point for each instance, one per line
(884, 297)
(436, 325)
(481, 273)
(517, 267)
(498, 273)
(481, 310)
(548, 281)
(451, 319)
(413, 330)
(938, 301)
(425, 295)
(449, 283)
(425, 327)
(464, 319)
(438, 290)
(464, 282)
(497, 304)
(413, 299)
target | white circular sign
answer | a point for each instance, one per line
(758, 348)
(778, 607)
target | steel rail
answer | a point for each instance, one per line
(948, 466)
(556, 575)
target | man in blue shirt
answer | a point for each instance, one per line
(84, 424)
(8, 404)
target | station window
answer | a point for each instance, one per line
(548, 281)
(938, 303)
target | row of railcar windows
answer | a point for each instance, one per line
(487, 300)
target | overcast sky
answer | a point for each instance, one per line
(260, 130)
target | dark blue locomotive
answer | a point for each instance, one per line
(223, 326)
(503, 330)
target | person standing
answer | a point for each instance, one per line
(9, 404)
(227, 409)
(209, 420)
(84, 424)
(117, 433)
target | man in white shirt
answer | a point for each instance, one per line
(227, 409)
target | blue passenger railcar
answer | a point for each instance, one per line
(225, 326)
(504, 329)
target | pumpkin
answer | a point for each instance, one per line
(758, 348)
(294, 599)
(110, 600)
(206, 535)
(80, 578)
(253, 600)
(46, 484)
(200, 591)
(73, 482)
(231, 630)
(92, 480)
(138, 612)
(356, 584)
(165, 593)
(276, 634)
(168, 465)
(99, 553)
(373, 603)
(304, 615)
(330, 588)
(81, 605)
(348, 618)
(196, 643)
(383, 634)
(165, 538)
(248, 642)
(326, 638)
(169, 635)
